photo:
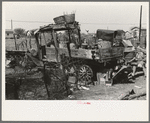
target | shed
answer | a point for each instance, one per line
(9, 34)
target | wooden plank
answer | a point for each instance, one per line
(111, 53)
(56, 46)
(104, 54)
(117, 51)
(77, 53)
(35, 60)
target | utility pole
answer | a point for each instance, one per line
(11, 25)
(140, 24)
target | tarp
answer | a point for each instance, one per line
(128, 46)
(141, 49)
(127, 43)
(107, 35)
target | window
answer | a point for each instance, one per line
(7, 34)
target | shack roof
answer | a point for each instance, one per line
(143, 29)
(9, 31)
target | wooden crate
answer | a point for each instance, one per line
(70, 18)
(59, 20)
(100, 79)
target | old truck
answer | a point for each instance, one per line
(72, 52)
(87, 60)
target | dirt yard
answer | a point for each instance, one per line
(103, 92)
(34, 89)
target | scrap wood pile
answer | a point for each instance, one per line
(19, 61)
(22, 82)
(131, 95)
(32, 86)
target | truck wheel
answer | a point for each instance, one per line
(85, 74)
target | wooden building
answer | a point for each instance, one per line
(9, 34)
(135, 35)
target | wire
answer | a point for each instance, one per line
(80, 23)
(28, 21)
(114, 23)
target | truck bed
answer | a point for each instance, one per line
(106, 54)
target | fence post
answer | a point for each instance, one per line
(44, 74)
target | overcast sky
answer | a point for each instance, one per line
(91, 15)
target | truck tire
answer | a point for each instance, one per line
(85, 74)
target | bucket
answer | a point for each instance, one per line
(72, 79)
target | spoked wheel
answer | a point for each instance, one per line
(85, 74)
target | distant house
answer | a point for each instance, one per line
(135, 32)
(135, 35)
(9, 34)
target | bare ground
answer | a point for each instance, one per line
(34, 89)
(103, 92)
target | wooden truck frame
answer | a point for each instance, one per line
(89, 57)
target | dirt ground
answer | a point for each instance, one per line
(34, 89)
(103, 92)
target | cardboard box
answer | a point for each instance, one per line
(72, 79)
(100, 79)
(109, 83)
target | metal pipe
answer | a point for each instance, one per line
(15, 42)
(140, 24)
(45, 81)
(68, 44)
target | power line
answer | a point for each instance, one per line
(28, 21)
(113, 23)
(80, 23)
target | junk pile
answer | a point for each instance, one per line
(115, 75)
(130, 95)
